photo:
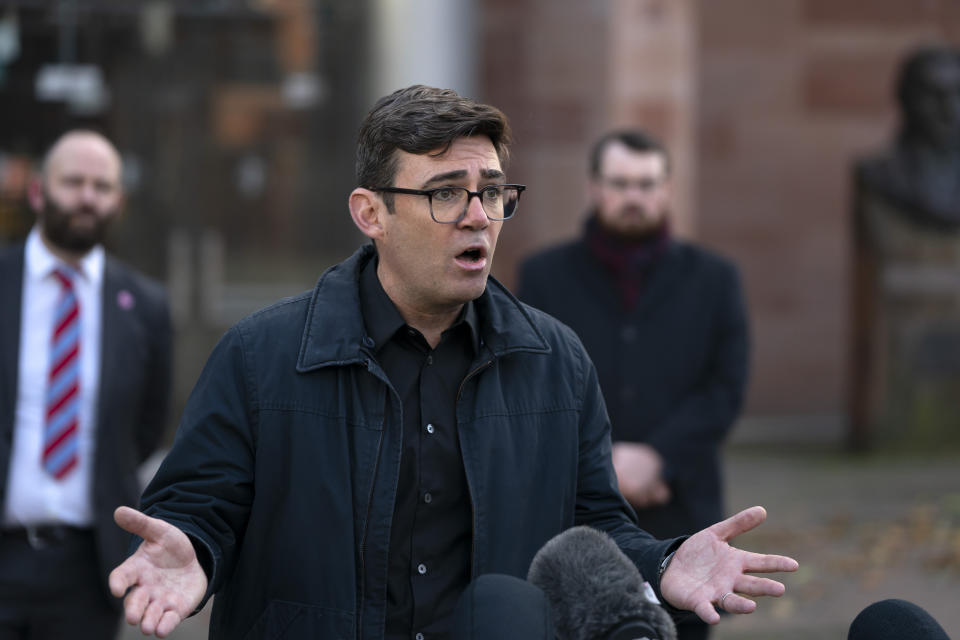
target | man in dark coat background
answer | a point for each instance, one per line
(664, 323)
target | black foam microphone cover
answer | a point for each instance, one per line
(895, 620)
(595, 591)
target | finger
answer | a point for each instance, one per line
(753, 586)
(140, 524)
(134, 605)
(768, 563)
(641, 499)
(706, 612)
(661, 493)
(739, 523)
(151, 618)
(168, 623)
(122, 578)
(735, 603)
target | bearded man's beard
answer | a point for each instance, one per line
(60, 226)
(640, 226)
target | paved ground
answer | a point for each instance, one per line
(863, 529)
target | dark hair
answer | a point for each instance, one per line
(635, 139)
(421, 119)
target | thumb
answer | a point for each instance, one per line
(122, 578)
(739, 523)
(140, 524)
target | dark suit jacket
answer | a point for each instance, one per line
(135, 372)
(672, 370)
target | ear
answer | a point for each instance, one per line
(366, 207)
(35, 194)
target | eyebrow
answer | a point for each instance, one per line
(460, 174)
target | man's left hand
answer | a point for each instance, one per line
(707, 573)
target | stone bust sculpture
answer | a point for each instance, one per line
(919, 175)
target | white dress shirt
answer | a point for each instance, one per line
(33, 495)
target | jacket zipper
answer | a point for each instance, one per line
(473, 508)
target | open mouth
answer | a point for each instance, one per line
(471, 255)
(473, 258)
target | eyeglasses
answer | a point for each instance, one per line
(448, 205)
(641, 184)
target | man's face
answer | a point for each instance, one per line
(80, 194)
(631, 194)
(431, 267)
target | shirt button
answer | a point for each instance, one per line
(428, 497)
(628, 333)
(429, 360)
(422, 569)
(419, 636)
(430, 428)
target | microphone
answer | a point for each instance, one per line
(893, 620)
(595, 591)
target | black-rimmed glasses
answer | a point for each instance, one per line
(448, 205)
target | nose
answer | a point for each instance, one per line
(476, 217)
(88, 193)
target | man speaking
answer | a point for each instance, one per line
(352, 458)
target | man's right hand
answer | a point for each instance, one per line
(162, 582)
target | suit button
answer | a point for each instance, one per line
(422, 569)
(628, 333)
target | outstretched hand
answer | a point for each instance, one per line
(162, 582)
(706, 572)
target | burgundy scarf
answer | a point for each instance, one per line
(628, 260)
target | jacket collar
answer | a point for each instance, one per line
(334, 332)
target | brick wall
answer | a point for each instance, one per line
(791, 92)
(764, 104)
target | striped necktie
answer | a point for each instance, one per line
(60, 438)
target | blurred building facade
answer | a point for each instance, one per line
(765, 104)
(237, 119)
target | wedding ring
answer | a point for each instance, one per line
(724, 597)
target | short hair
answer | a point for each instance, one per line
(634, 139)
(418, 120)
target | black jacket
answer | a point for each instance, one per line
(284, 470)
(673, 369)
(135, 371)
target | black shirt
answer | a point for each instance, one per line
(431, 536)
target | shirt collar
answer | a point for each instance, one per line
(39, 262)
(383, 320)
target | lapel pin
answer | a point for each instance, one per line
(125, 300)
